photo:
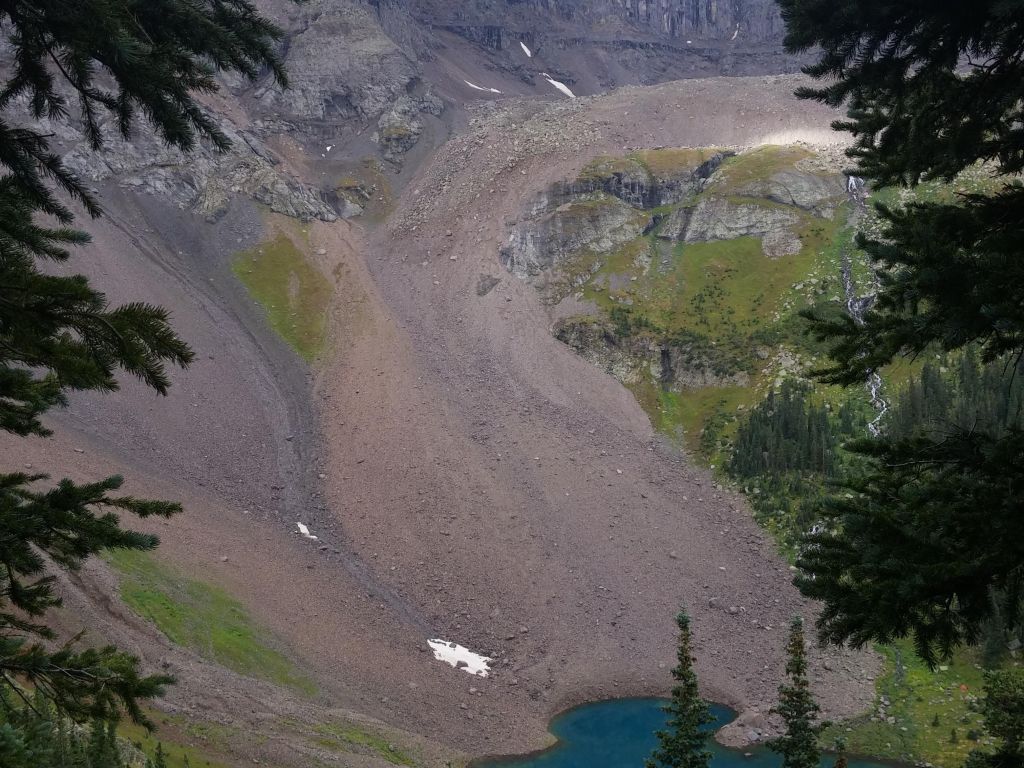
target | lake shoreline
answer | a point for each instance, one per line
(570, 734)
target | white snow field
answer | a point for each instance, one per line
(459, 657)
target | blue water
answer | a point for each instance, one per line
(620, 734)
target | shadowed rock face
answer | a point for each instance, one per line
(757, 20)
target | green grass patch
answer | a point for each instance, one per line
(704, 416)
(293, 292)
(604, 167)
(925, 708)
(757, 165)
(202, 617)
(668, 162)
(176, 755)
(343, 738)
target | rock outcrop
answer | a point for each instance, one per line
(622, 41)
(718, 218)
(341, 66)
(608, 205)
(598, 224)
(204, 181)
(497, 23)
(634, 358)
(811, 192)
(399, 127)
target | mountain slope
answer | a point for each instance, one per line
(466, 476)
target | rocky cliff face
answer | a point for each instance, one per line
(497, 20)
(621, 41)
(680, 258)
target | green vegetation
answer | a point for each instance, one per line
(108, 63)
(785, 451)
(175, 754)
(343, 737)
(798, 744)
(682, 744)
(668, 162)
(916, 708)
(951, 279)
(757, 165)
(294, 293)
(725, 304)
(204, 618)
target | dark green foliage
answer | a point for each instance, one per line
(158, 760)
(33, 735)
(949, 276)
(787, 432)
(127, 59)
(940, 497)
(786, 451)
(683, 744)
(1003, 710)
(799, 744)
(920, 539)
(896, 65)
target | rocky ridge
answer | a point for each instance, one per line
(614, 237)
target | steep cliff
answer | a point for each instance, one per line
(604, 43)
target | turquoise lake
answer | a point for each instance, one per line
(620, 734)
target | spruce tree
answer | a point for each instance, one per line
(1003, 713)
(682, 744)
(58, 333)
(917, 542)
(799, 743)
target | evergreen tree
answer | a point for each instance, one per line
(159, 761)
(916, 543)
(1003, 711)
(682, 743)
(57, 332)
(799, 744)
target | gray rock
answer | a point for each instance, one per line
(809, 191)
(341, 64)
(598, 224)
(678, 365)
(779, 243)
(486, 284)
(204, 181)
(719, 219)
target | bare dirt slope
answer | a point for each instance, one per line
(515, 495)
(468, 476)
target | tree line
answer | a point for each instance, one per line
(682, 743)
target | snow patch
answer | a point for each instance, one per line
(460, 658)
(305, 532)
(526, 50)
(734, 34)
(560, 86)
(477, 87)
